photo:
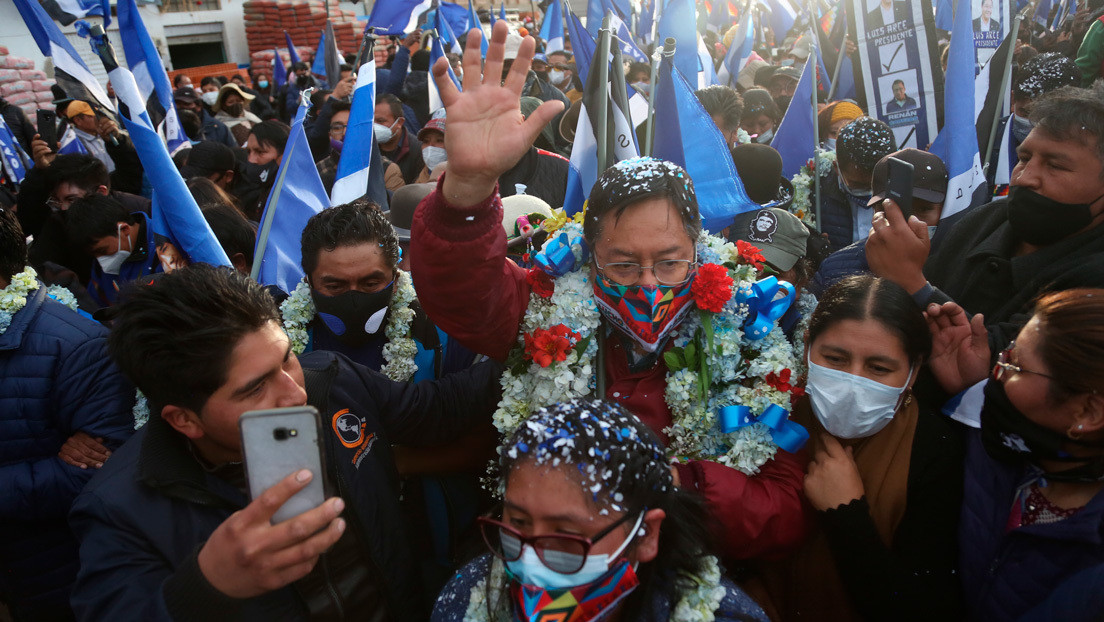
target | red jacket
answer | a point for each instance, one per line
(473, 293)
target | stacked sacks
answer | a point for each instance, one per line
(22, 85)
(304, 20)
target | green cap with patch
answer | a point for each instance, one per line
(779, 235)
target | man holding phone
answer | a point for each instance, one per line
(166, 530)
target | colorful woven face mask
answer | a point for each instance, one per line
(584, 603)
(646, 313)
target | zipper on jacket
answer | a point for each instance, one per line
(330, 589)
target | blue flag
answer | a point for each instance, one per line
(69, 143)
(474, 24)
(455, 14)
(795, 139)
(14, 160)
(297, 194)
(293, 54)
(448, 37)
(678, 20)
(644, 23)
(71, 73)
(552, 28)
(624, 40)
(502, 10)
(279, 71)
(686, 135)
(782, 16)
(176, 219)
(318, 65)
(957, 143)
(739, 52)
(69, 11)
(397, 17)
(435, 52)
(150, 76)
(582, 46)
(824, 78)
(360, 169)
(720, 20)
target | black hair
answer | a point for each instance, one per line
(345, 67)
(237, 76)
(622, 467)
(209, 80)
(637, 67)
(300, 65)
(207, 193)
(419, 61)
(272, 133)
(896, 82)
(338, 105)
(190, 123)
(173, 337)
(863, 142)
(863, 297)
(94, 217)
(724, 102)
(1074, 114)
(393, 103)
(13, 245)
(351, 224)
(178, 79)
(758, 102)
(317, 98)
(630, 181)
(235, 234)
(1045, 73)
(82, 170)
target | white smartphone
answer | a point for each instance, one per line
(278, 442)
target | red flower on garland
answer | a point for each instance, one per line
(545, 346)
(781, 382)
(750, 253)
(712, 287)
(541, 283)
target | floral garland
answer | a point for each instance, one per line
(806, 304)
(14, 297)
(802, 205)
(712, 364)
(298, 312)
(697, 605)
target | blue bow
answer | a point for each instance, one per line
(558, 256)
(786, 434)
(766, 306)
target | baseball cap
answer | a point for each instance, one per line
(929, 176)
(513, 44)
(78, 107)
(437, 124)
(186, 94)
(792, 73)
(780, 236)
(208, 157)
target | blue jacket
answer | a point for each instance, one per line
(1006, 574)
(453, 601)
(144, 517)
(843, 263)
(104, 288)
(55, 380)
(836, 218)
(216, 130)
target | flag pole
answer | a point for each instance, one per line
(1006, 77)
(839, 65)
(601, 57)
(814, 43)
(367, 43)
(649, 121)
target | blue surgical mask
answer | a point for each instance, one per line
(765, 137)
(830, 144)
(850, 406)
(1021, 127)
(530, 570)
(262, 84)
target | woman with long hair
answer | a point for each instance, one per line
(592, 527)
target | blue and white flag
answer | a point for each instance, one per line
(624, 40)
(707, 74)
(397, 17)
(686, 135)
(293, 54)
(176, 219)
(14, 160)
(720, 20)
(739, 52)
(596, 11)
(678, 19)
(435, 52)
(448, 37)
(356, 152)
(455, 14)
(582, 46)
(646, 21)
(327, 60)
(795, 139)
(69, 11)
(475, 24)
(279, 71)
(957, 143)
(297, 194)
(69, 143)
(782, 16)
(71, 73)
(150, 76)
(552, 28)
(1042, 12)
(584, 167)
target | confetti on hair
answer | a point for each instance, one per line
(864, 141)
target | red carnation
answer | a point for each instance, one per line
(541, 283)
(781, 382)
(545, 346)
(750, 254)
(712, 287)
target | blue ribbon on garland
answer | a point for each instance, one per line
(558, 257)
(766, 306)
(787, 434)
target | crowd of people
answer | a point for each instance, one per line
(531, 415)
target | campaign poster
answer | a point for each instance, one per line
(895, 52)
(991, 22)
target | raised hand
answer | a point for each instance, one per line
(960, 347)
(897, 248)
(487, 134)
(247, 556)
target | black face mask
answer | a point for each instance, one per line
(1009, 436)
(1037, 220)
(353, 317)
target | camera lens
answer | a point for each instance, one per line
(280, 434)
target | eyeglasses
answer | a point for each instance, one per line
(563, 553)
(667, 272)
(337, 127)
(1005, 367)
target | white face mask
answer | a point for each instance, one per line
(530, 570)
(931, 231)
(433, 156)
(556, 76)
(384, 133)
(850, 406)
(111, 264)
(830, 144)
(210, 97)
(765, 137)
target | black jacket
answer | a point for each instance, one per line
(544, 174)
(143, 518)
(19, 124)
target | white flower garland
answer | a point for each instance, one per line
(805, 305)
(698, 605)
(802, 205)
(738, 366)
(298, 312)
